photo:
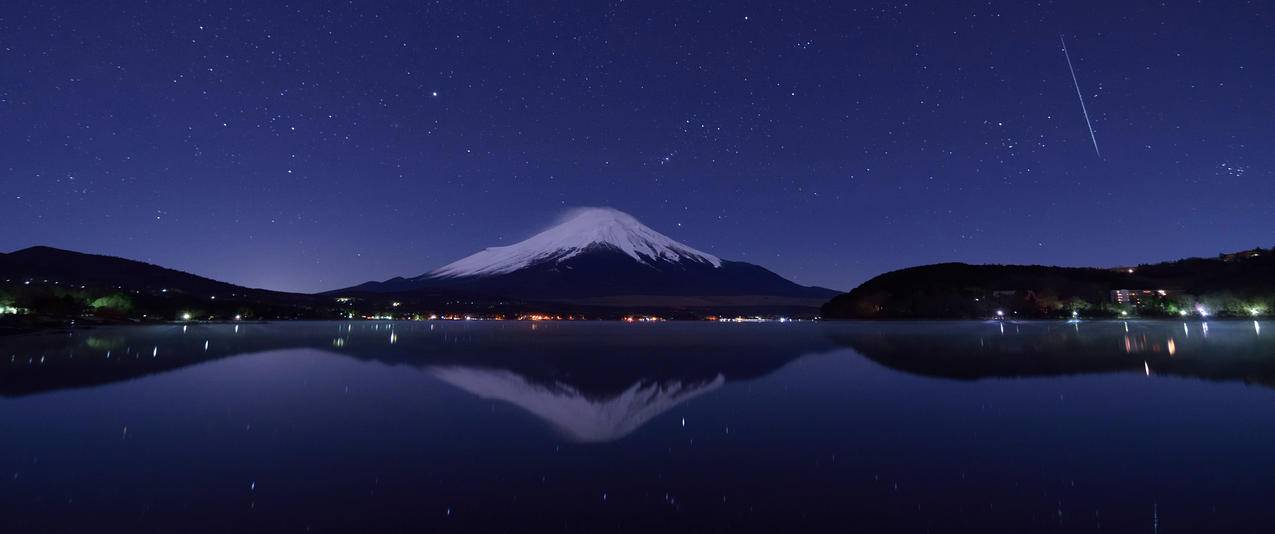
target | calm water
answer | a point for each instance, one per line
(586, 427)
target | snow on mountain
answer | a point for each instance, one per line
(583, 228)
(602, 253)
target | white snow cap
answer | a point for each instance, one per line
(580, 229)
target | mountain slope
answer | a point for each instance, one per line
(76, 268)
(604, 253)
(1236, 284)
(54, 282)
(579, 233)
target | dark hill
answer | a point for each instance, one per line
(1232, 284)
(51, 283)
(73, 269)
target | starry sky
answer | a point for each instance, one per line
(313, 145)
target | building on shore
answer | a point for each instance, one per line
(1243, 254)
(1141, 297)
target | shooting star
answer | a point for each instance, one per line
(1081, 97)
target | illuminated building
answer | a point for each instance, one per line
(1140, 297)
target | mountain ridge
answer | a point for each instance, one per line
(580, 231)
(597, 253)
(46, 262)
(1239, 284)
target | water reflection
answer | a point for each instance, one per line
(578, 416)
(592, 382)
(667, 427)
(600, 382)
(1234, 350)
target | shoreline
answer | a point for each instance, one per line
(47, 329)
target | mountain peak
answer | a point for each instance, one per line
(581, 229)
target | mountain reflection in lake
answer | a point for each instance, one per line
(914, 427)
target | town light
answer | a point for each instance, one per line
(186, 316)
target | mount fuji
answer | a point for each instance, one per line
(605, 257)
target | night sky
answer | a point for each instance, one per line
(314, 145)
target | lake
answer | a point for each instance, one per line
(1092, 426)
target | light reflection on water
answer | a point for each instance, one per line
(943, 426)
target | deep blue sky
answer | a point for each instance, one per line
(314, 145)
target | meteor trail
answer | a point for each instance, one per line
(1081, 97)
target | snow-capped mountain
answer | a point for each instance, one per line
(605, 257)
(582, 230)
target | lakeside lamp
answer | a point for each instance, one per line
(1000, 313)
(186, 316)
(1075, 313)
(1124, 314)
(1254, 311)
